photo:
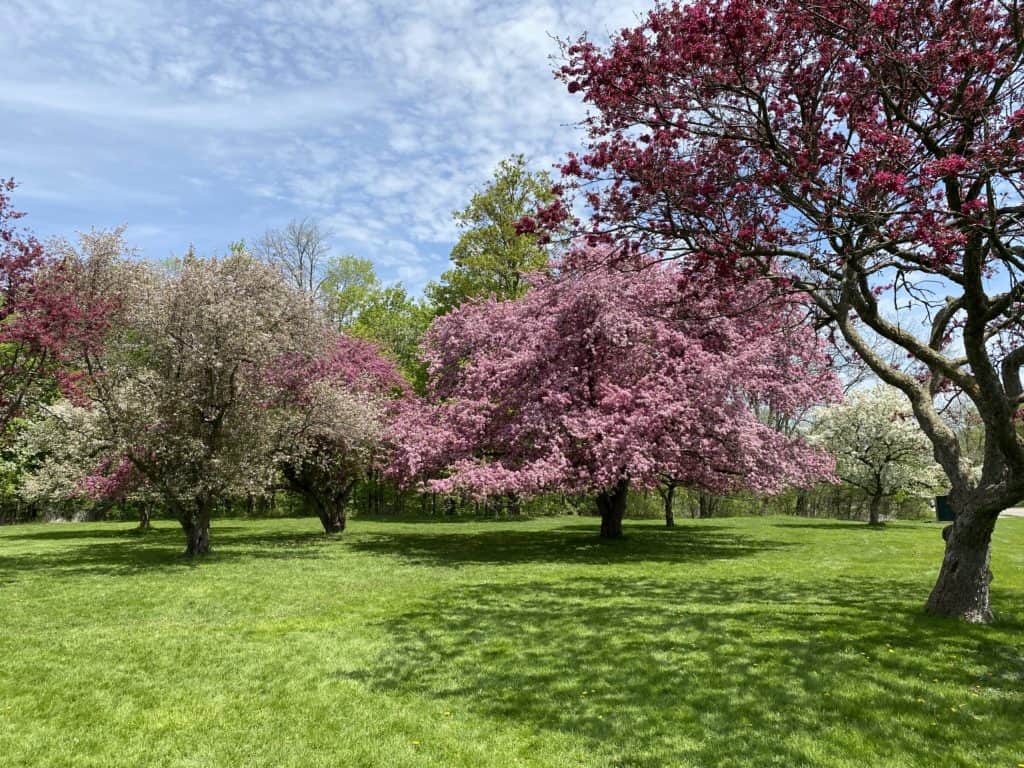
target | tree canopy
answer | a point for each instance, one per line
(491, 257)
(598, 379)
(866, 156)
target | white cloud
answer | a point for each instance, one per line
(381, 118)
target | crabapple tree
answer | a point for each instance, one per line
(879, 447)
(181, 381)
(334, 408)
(867, 154)
(600, 379)
(41, 320)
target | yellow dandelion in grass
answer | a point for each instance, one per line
(415, 743)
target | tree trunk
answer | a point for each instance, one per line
(334, 509)
(801, 503)
(197, 530)
(707, 505)
(331, 507)
(334, 518)
(667, 497)
(144, 516)
(962, 589)
(875, 511)
(612, 506)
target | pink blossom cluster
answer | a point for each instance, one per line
(721, 125)
(600, 375)
(111, 479)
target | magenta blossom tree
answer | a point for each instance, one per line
(335, 407)
(871, 153)
(601, 379)
(42, 320)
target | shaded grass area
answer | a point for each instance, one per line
(759, 641)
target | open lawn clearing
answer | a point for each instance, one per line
(745, 641)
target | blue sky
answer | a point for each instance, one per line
(206, 122)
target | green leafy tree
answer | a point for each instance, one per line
(348, 284)
(490, 258)
(396, 321)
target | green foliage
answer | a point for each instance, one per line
(489, 258)
(394, 320)
(769, 642)
(348, 284)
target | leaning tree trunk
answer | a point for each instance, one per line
(196, 523)
(962, 589)
(875, 511)
(612, 506)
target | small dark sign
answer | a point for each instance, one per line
(943, 511)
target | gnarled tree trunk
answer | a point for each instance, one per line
(333, 513)
(331, 506)
(196, 523)
(962, 589)
(612, 506)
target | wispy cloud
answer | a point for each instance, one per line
(214, 120)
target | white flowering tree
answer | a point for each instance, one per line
(67, 460)
(182, 381)
(879, 447)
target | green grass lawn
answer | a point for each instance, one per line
(734, 642)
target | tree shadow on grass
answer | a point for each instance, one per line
(101, 530)
(831, 525)
(75, 531)
(441, 519)
(103, 551)
(653, 672)
(576, 543)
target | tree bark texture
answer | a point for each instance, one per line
(875, 510)
(962, 589)
(612, 506)
(196, 523)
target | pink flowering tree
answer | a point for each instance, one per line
(599, 380)
(335, 407)
(870, 152)
(41, 319)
